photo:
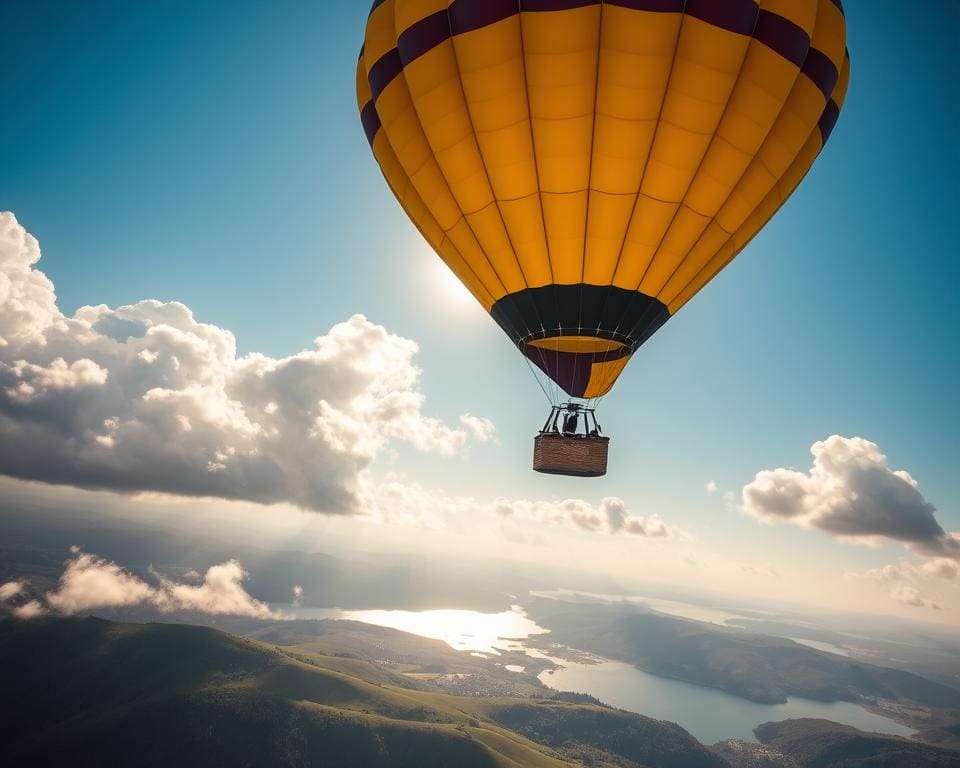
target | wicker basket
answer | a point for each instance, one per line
(577, 455)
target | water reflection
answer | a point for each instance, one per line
(461, 630)
(708, 714)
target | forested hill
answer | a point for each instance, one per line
(93, 692)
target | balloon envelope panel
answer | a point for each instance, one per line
(586, 167)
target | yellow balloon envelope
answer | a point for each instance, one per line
(586, 167)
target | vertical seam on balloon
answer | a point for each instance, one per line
(586, 217)
(536, 166)
(646, 162)
(737, 251)
(483, 161)
(493, 194)
(755, 158)
(412, 188)
(775, 212)
(696, 171)
(445, 182)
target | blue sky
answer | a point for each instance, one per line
(173, 150)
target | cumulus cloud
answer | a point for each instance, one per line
(712, 486)
(851, 492)
(146, 398)
(904, 593)
(220, 592)
(30, 610)
(478, 426)
(10, 590)
(937, 568)
(15, 591)
(904, 580)
(609, 516)
(297, 595)
(90, 583)
(399, 501)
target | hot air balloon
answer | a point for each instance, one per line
(585, 167)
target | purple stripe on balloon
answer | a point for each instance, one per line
(659, 6)
(467, 15)
(383, 71)
(739, 16)
(423, 36)
(555, 5)
(818, 67)
(782, 36)
(568, 369)
(370, 121)
(827, 120)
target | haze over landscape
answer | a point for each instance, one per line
(265, 485)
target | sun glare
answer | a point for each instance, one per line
(447, 284)
(460, 629)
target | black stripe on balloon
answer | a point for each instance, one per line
(468, 15)
(818, 67)
(423, 36)
(782, 36)
(739, 16)
(658, 6)
(580, 310)
(370, 121)
(555, 5)
(383, 71)
(827, 120)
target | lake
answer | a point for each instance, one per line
(710, 715)
(480, 633)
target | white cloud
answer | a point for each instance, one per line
(90, 582)
(941, 568)
(30, 610)
(10, 590)
(478, 426)
(908, 595)
(146, 398)
(903, 579)
(609, 516)
(851, 492)
(297, 595)
(399, 501)
(937, 568)
(712, 486)
(221, 592)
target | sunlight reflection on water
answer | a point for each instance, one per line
(708, 714)
(461, 630)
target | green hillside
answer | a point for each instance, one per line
(756, 667)
(100, 693)
(823, 744)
